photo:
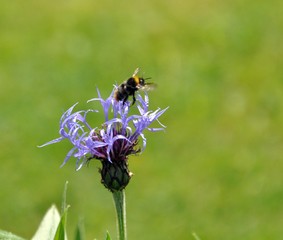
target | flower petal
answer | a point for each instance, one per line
(52, 141)
(118, 136)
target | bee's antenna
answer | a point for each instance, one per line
(136, 71)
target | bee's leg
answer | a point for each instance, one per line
(134, 99)
(125, 99)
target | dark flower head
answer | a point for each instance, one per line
(113, 142)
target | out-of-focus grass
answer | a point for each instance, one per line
(215, 171)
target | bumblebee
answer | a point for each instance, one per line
(131, 86)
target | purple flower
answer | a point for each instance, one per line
(115, 140)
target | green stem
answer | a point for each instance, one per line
(120, 204)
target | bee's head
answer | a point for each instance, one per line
(141, 81)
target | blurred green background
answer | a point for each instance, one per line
(215, 171)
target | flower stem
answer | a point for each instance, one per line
(120, 204)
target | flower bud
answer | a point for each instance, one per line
(115, 176)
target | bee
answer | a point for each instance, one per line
(131, 86)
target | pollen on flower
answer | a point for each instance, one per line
(114, 142)
(121, 147)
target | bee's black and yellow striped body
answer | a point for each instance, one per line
(129, 87)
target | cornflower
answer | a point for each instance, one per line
(112, 143)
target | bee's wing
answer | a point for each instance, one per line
(148, 87)
(136, 72)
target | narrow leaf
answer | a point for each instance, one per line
(48, 225)
(80, 231)
(107, 236)
(196, 236)
(9, 236)
(60, 233)
(64, 199)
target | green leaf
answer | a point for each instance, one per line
(196, 236)
(64, 199)
(9, 236)
(61, 233)
(80, 231)
(107, 236)
(52, 226)
(48, 225)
